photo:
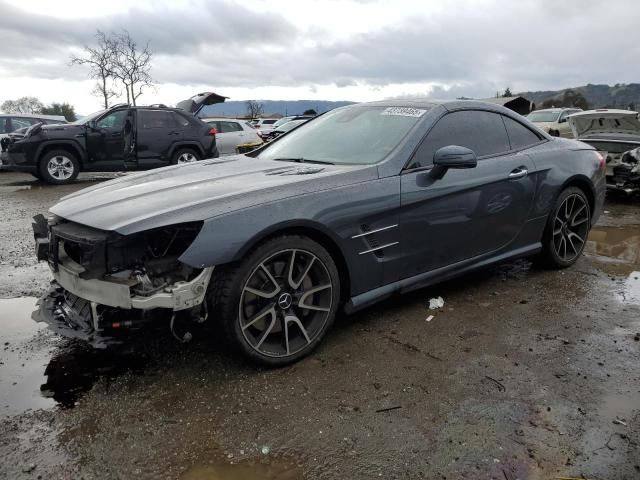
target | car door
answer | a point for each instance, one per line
(228, 137)
(105, 141)
(156, 131)
(468, 212)
(564, 129)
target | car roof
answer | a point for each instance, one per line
(223, 119)
(447, 104)
(34, 115)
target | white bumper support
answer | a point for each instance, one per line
(179, 296)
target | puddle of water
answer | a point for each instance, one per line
(245, 470)
(35, 376)
(615, 244)
(22, 367)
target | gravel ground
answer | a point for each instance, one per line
(523, 374)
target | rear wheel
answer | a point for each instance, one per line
(567, 229)
(184, 155)
(279, 302)
(58, 167)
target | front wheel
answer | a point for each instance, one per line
(278, 303)
(567, 229)
(58, 167)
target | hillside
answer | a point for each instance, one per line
(599, 96)
(282, 107)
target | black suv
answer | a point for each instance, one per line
(119, 138)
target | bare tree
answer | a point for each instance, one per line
(22, 105)
(132, 65)
(100, 59)
(254, 109)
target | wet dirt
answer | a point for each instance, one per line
(245, 471)
(521, 374)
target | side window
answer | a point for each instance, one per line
(482, 132)
(4, 125)
(519, 135)
(20, 122)
(226, 127)
(156, 119)
(113, 121)
(215, 124)
(181, 120)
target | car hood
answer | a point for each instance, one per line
(598, 122)
(199, 191)
(544, 125)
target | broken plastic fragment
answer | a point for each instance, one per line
(435, 303)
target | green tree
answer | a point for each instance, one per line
(507, 92)
(310, 111)
(64, 109)
(22, 105)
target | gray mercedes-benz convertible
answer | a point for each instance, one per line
(357, 204)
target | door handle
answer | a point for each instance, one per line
(174, 133)
(115, 134)
(519, 172)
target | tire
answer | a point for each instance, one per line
(184, 155)
(263, 307)
(567, 229)
(58, 167)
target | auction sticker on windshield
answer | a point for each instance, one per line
(404, 111)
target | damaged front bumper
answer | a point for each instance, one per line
(102, 308)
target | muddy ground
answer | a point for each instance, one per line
(524, 374)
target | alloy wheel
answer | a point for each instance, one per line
(285, 303)
(571, 227)
(60, 167)
(187, 157)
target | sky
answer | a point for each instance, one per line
(356, 50)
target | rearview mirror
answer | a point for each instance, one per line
(452, 156)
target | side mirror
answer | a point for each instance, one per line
(93, 125)
(452, 156)
(562, 120)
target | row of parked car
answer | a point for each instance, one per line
(614, 133)
(126, 137)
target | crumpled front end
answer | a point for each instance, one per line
(625, 173)
(105, 284)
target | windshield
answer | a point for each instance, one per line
(282, 121)
(361, 135)
(542, 116)
(289, 125)
(88, 118)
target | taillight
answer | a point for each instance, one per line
(602, 161)
(213, 131)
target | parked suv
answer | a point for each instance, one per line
(553, 120)
(11, 122)
(119, 138)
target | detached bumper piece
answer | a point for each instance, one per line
(100, 326)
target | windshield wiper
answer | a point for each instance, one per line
(303, 160)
